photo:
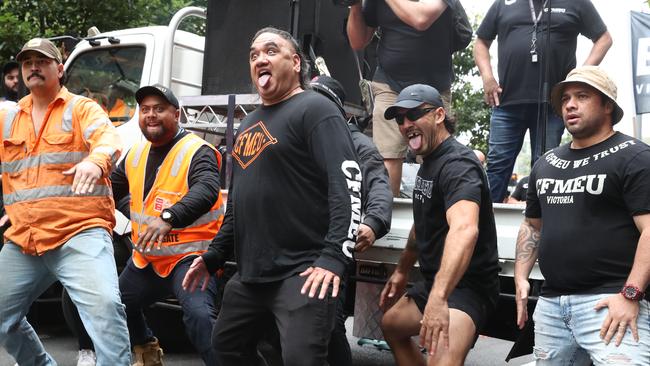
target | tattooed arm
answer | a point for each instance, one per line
(525, 257)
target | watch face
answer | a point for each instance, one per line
(630, 293)
(166, 215)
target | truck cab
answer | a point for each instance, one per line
(110, 67)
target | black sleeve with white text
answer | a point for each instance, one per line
(333, 152)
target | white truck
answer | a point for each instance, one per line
(113, 65)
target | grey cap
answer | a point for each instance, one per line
(413, 96)
(159, 90)
(42, 46)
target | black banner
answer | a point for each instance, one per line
(641, 60)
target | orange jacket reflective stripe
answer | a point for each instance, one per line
(38, 198)
(170, 186)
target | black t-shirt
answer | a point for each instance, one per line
(587, 199)
(289, 206)
(512, 24)
(407, 56)
(520, 190)
(449, 174)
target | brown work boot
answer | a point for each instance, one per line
(148, 354)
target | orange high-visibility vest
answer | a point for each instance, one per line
(170, 186)
(39, 200)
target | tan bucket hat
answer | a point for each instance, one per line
(593, 76)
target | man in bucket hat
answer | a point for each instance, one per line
(453, 238)
(593, 198)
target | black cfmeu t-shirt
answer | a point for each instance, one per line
(586, 199)
(511, 22)
(407, 56)
(289, 205)
(449, 174)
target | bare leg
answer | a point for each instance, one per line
(402, 322)
(394, 168)
(461, 336)
(399, 324)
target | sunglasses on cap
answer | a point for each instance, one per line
(413, 114)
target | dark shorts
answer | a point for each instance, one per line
(464, 299)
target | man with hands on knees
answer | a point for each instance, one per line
(175, 210)
(588, 223)
(453, 238)
(292, 212)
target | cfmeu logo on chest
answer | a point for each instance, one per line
(250, 143)
(352, 174)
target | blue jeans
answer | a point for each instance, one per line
(86, 268)
(142, 287)
(508, 127)
(567, 333)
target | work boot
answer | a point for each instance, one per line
(148, 354)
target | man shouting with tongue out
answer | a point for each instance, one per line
(453, 238)
(293, 211)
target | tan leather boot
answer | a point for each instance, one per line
(148, 354)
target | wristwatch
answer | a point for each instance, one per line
(167, 216)
(632, 292)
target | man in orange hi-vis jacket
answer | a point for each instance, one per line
(57, 152)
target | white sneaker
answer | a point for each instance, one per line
(86, 357)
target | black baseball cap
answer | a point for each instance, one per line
(10, 65)
(331, 88)
(413, 96)
(159, 90)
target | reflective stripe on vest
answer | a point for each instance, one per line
(207, 217)
(180, 158)
(173, 250)
(95, 125)
(66, 121)
(52, 191)
(138, 155)
(43, 159)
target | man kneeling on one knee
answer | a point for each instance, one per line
(453, 238)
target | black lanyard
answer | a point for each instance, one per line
(536, 19)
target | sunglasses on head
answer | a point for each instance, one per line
(413, 114)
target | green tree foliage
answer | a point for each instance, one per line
(471, 113)
(21, 20)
